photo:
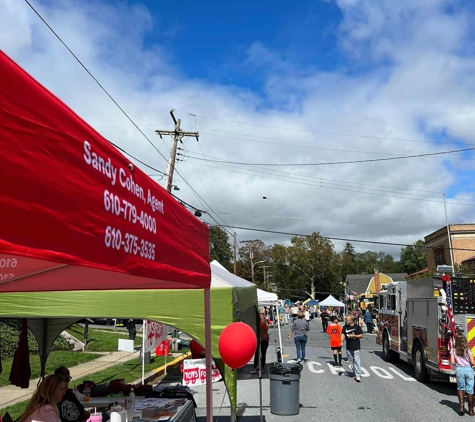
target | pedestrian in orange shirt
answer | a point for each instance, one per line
(334, 331)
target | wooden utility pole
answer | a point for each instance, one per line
(265, 281)
(177, 134)
(234, 247)
(251, 256)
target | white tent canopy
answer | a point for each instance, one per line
(331, 301)
(266, 299)
(221, 277)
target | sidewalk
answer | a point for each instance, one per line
(10, 395)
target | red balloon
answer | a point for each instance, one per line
(237, 344)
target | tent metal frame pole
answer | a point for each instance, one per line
(44, 352)
(280, 334)
(259, 365)
(209, 380)
(144, 336)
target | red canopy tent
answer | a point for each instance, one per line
(78, 215)
(75, 207)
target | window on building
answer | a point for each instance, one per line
(439, 256)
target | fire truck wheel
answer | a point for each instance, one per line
(419, 363)
(388, 354)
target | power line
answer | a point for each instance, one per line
(290, 129)
(339, 238)
(292, 144)
(314, 131)
(302, 144)
(94, 78)
(335, 162)
(396, 223)
(117, 104)
(303, 180)
(136, 159)
(364, 185)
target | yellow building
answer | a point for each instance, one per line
(365, 286)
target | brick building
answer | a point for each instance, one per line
(437, 246)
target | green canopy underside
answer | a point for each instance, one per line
(183, 309)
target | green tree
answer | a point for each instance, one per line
(259, 252)
(368, 261)
(287, 287)
(348, 262)
(413, 257)
(314, 265)
(219, 247)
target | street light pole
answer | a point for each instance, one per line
(252, 269)
(264, 268)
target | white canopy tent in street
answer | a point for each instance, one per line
(331, 301)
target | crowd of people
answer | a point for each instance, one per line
(299, 316)
(352, 332)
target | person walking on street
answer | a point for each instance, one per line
(461, 357)
(299, 330)
(294, 311)
(307, 315)
(287, 313)
(324, 316)
(352, 334)
(334, 331)
(368, 320)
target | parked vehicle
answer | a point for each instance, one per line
(414, 322)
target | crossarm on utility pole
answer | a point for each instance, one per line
(177, 134)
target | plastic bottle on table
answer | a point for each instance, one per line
(132, 397)
(87, 393)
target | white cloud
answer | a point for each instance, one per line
(419, 78)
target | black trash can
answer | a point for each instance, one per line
(284, 388)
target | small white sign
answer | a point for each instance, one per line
(194, 372)
(126, 345)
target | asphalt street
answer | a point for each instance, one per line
(387, 392)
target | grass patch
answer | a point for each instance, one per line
(101, 340)
(130, 371)
(55, 359)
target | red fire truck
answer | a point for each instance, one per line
(413, 324)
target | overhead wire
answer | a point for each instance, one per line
(317, 131)
(94, 78)
(341, 239)
(254, 124)
(364, 185)
(338, 162)
(302, 181)
(303, 144)
(117, 104)
(353, 135)
(216, 183)
(287, 217)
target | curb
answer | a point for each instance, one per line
(158, 372)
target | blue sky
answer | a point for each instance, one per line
(278, 82)
(211, 40)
